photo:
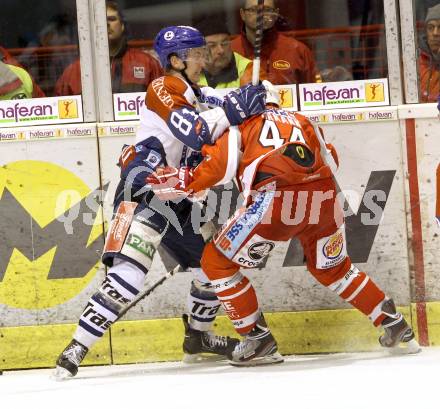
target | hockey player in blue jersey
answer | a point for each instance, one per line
(175, 124)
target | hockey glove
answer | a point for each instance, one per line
(246, 101)
(169, 183)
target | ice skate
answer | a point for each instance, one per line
(198, 344)
(69, 360)
(398, 336)
(258, 348)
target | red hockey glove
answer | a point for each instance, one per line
(169, 183)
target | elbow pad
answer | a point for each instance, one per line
(190, 128)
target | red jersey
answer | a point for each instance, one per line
(246, 149)
(283, 59)
(429, 72)
(131, 71)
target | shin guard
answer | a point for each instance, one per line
(239, 300)
(203, 304)
(357, 288)
(121, 285)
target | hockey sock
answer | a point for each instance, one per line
(357, 288)
(203, 304)
(239, 300)
(122, 283)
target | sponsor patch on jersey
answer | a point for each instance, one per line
(331, 250)
(236, 231)
(260, 250)
(254, 251)
(139, 72)
(281, 65)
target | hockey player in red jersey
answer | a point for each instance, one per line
(175, 124)
(285, 170)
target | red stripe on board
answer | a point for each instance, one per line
(417, 239)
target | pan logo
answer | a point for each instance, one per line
(51, 234)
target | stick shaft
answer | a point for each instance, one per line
(147, 292)
(257, 46)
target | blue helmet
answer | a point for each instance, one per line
(175, 39)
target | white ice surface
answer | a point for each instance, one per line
(337, 381)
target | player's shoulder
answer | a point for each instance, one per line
(168, 83)
(169, 92)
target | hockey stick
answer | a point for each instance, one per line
(257, 45)
(147, 292)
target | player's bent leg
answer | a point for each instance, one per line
(199, 343)
(240, 303)
(358, 289)
(134, 235)
(203, 306)
(123, 282)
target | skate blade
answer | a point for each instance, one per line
(61, 374)
(275, 358)
(404, 348)
(201, 358)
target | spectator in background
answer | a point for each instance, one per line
(429, 57)
(11, 68)
(15, 82)
(131, 69)
(337, 73)
(284, 59)
(224, 68)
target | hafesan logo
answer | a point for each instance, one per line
(281, 65)
(41, 263)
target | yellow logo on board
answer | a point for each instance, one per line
(374, 92)
(68, 109)
(44, 263)
(286, 97)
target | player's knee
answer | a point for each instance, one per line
(134, 235)
(330, 275)
(213, 263)
(121, 285)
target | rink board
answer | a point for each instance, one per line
(43, 288)
(150, 340)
